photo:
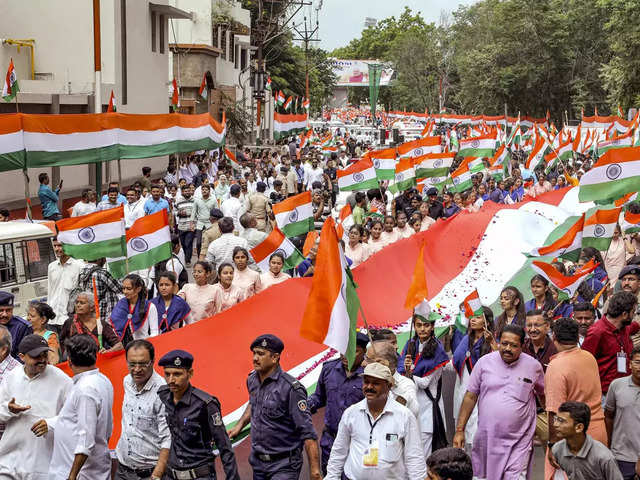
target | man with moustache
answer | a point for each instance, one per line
(195, 422)
(280, 417)
(504, 384)
(29, 394)
(584, 314)
(378, 438)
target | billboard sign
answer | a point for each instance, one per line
(355, 73)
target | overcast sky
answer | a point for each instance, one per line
(343, 20)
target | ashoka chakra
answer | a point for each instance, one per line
(139, 245)
(358, 177)
(376, 163)
(475, 144)
(613, 171)
(437, 163)
(399, 177)
(417, 152)
(293, 216)
(599, 231)
(86, 235)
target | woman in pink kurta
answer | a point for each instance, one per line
(427, 221)
(354, 250)
(246, 279)
(200, 296)
(615, 258)
(402, 228)
(389, 235)
(274, 275)
(376, 243)
(227, 294)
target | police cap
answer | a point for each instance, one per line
(362, 339)
(630, 270)
(268, 342)
(176, 359)
(6, 299)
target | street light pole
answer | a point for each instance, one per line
(97, 67)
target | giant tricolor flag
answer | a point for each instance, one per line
(599, 225)
(331, 312)
(148, 243)
(419, 147)
(359, 176)
(294, 215)
(276, 242)
(567, 285)
(616, 173)
(96, 235)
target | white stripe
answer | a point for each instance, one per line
(384, 163)
(487, 143)
(286, 126)
(339, 323)
(11, 142)
(599, 174)
(589, 230)
(348, 180)
(429, 164)
(285, 246)
(101, 232)
(54, 142)
(419, 151)
(304, 211)
(152, 240)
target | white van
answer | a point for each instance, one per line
(26, 250)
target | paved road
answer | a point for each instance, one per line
(242, 450)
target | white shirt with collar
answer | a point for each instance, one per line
(132, 212)
(396, 431)
(82, 208)
(22, 454)
(84, 426)
(144, 425)
(233, 207)
(405, 388)
(61, 279)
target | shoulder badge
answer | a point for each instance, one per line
(217, 419)
(302, 405)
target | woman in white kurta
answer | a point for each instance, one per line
(356, 251)
(227, 294)
(200, 295)
(615, 258)
(274, 275)
(245, 278)
(376, 243)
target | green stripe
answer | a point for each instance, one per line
(432, 172)
(403, 185)
(601, 244)
(461, 187)
(385, 174)
(614, 189)
(12, 161)
(353, 305)
(476, 152)
(141, 261)
(366, 185)
(298, 228)
(293, 260)
(114, 247)
(277, 135)
(113, 152)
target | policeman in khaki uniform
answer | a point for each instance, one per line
(195, 423)
(280, 419)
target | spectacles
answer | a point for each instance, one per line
(133, 365)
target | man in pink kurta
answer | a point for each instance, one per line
(505, 384)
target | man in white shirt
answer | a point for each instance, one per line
(62, 276)
(143, 448)
(403, 389)
(84, 425)
(7, 362)
(221, 249)
(233, 207)
(250, 232)
(313, 174)
(133, 209)
(30, 394)
(86, 205)
(378, 438)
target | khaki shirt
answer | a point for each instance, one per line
(258, 206)
(292, 182)
(209, 235)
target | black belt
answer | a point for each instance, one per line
(192, 473)
(140, 473)
(272, 457)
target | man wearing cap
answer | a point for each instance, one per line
(84, 425)
(17, 326)
(7, 362)
(378, 438)
(436, 210)
(280, 417)
(28, 395)
(195, 422)
(338, 388)
(212, 233)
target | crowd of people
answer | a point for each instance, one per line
(563, 375)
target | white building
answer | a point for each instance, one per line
(134, 39)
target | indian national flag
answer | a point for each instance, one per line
(148, 242)
(232, 159)
(405, 177)
(599, 225)
(626, 199)
(280, 98)
(267, 85)
(615, 143)
(536, 157)
(472, 305)
(294, 215)
(630, 222)
(285, 125)
(345, 222)
(567, 285)
(112, 107)
(287, 103)
(422, 146)
(96, 235)
(305, 137)
(175, 94)
(306, 104)
(616, 173)
(331, 312)
(384, 161)
(433, 164)
(11, 87)
(276, 242)
(482, 146)
(461, 178)
(359, 176)
(203, 91)
(564, 240)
